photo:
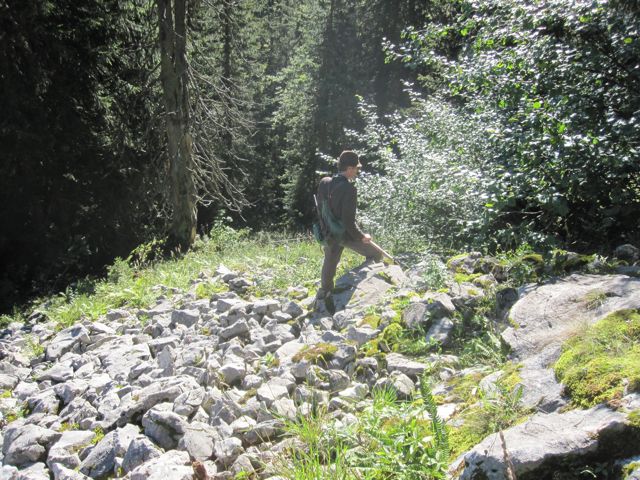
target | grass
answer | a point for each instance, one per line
(389, 439)
(597, 363)
(488, 413)
(280, 262)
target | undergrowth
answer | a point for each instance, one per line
(387, 439)
(279, 262)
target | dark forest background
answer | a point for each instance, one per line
(128, 121)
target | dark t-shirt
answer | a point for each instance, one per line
(343, 198)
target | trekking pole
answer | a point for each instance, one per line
(385, 253)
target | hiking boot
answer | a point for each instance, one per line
(329, 303)
(325, 299)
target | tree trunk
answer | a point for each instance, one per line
(173, 75)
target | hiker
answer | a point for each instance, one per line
(341, 197)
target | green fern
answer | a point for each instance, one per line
(440, 434)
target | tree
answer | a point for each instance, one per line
(196, 175)
(174, 77)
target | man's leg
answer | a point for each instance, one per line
(365, 249)
(332, 254)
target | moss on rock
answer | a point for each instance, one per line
(597, 365)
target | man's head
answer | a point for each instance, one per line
(349, 164)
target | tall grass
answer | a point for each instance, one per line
(274, 261)
(387, 439)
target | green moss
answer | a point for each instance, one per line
(510, 377)
(68, 426)
(629, 469)
(320, 352)
(596, 364)
(252, 392)
(535, 258)
(461, 277)
(372, 320)
(6, 394)
(386, 277)
(464, 388)
(455, 258)
(207, 289)
(99, 435)
(634, 418)
(595, 299)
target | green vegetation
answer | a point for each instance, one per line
(487, 413)
(595, 299)
(287, 261)
(318, 353)
(99, 435)
(207, 289)
(390, 439)
(598, 364)
(33, 348)
(68, 426)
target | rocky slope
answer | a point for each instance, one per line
(145, 393)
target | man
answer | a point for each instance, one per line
(341, 195)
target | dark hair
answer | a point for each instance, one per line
(347, 159)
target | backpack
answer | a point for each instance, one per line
(328, 227)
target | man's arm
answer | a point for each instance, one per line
(348, 216)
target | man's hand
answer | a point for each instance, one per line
(366, 238)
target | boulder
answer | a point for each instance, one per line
(25, 444)
(549, 314)
(548, 443)
(172, 465)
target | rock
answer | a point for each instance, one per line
(233, 372)
(67, 340)
(627, 253)
(24, 444)
(239, 328)
(361, 335)
(271, 391)
(172, 465)
(242, 466)
(65, 451)
(8, 382)
(399, 383)
(266, 306)
(466, 263)
(118, 360)
(440, 331)
(188, 318)
(400, 363)
(227, 450)
(36, 471)
(568, 304)
(163, 426)
(188, 402)
(60, 472)
(541, 445)
(140, 451)
(355, 393)
(198, 440)
(293, 309)
(163, 390)
(101, 461)
(365, 285)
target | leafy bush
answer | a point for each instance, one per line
(428, 184)
(557, 82)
